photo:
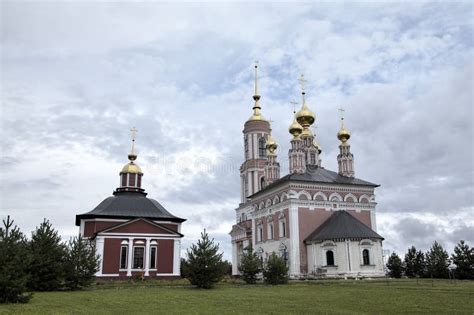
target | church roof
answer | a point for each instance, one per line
(318, 175)
(129, 205)
(339, 225)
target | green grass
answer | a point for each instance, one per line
(233, 297)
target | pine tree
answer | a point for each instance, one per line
(81, 264)
(414, 263)
(47, 259)
(250, 265)
(437, 261)
(14, 257)
(275, 271)
(395, 266)
(204, 265)
(463, 258)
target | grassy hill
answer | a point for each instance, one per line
(233, 297)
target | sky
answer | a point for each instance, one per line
(76, 76)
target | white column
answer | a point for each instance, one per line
(253, 234)
(235, 270)
(177, 257)
(130, 254)
(255, 181)
(349, 262)
(147, 257)
(99, 249)
(373, 222)
(294, 240)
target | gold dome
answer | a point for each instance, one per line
(271, 145)
(305, 116)
(295, 128)
(131, 168)
(256, 115)
(343, 135)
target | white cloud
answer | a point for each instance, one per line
(76, 76)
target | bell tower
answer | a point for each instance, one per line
(345, 159)
(256, 132)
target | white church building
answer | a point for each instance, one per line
(323, 223)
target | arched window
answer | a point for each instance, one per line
(246, 147)
(365, 257)
(313, 158)
(329, 258)
(262, 182)
(262, 151)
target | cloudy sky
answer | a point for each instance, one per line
(77, 75)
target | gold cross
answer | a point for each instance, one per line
(294, 105)
(342, 112)
(133, 131)
(302, 82)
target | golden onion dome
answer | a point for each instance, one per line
(295, 128)
(305, 116)
(256, 115)
(343, 135)
(271, 145)
(131, 168)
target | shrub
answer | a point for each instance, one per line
(275, 271)
(437, 261)
(250, 265)
(204, 267)
(463, 258)
(415, 265)
(81, 264)
(395, 266)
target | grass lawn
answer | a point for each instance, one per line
(323, 296)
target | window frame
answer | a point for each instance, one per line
(270, 231)
(260, 233)
(364, 257)
(330, 251)
(125, 266)
(262, 150)
(143, 257)
(153, 257)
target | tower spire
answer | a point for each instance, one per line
(345, 159)
(256, 97)
(133, 155)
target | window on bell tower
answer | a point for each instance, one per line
(262, 151)
(246, 147)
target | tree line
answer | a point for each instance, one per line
(44, 263)
(435, 263)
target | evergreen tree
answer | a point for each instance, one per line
(414, 263)
(184, 267)
(204, 266)
(81, 264)
(437, 261)
(275, 271)
(395, 266)
(47, 259)
(463, 258)
(14, 257)
(250, 265)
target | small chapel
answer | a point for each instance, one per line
(321, 222)
(134, 235)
